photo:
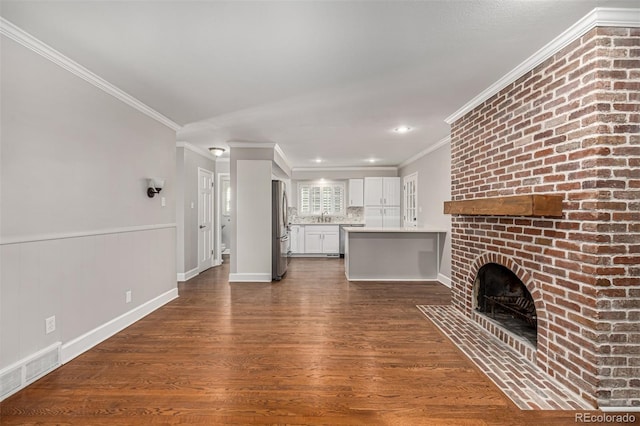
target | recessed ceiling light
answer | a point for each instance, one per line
(402, 129)
(372, 160)
(318, 160)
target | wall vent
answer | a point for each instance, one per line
(10, 381)
(27, 370)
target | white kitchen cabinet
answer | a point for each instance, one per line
(356, 193)
(391, 191)
(382, 191)
(382, 202)
(382, 217)
(331, 241)
(373, 191)
(296, 236)
(321, 239)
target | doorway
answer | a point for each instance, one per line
(205, 220)
(224, 215)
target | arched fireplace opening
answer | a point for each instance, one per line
(502, 296)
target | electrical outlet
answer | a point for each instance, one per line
(127, 297)
(50, 324)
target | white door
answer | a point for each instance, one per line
(205, 219)
(410, 195)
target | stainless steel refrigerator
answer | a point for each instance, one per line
(280, 230)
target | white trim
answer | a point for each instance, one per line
(219, 201)
(83, 343)
(280, 152)
(390, 280)
(344, 169)
(64, 235)
(240, 144)
(262, 145)
(619, 409)
(196, 149)
(186, 276)
(442, 142)
(27, 40)
(249, 277)
(598, 17)
(444, 280)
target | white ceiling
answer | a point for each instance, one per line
(323, 79)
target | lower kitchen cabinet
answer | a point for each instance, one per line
(322, 239)
(296, 236)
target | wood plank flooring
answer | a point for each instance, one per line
(310, 349)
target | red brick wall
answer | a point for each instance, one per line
(571, 126)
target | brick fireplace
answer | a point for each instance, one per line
(569, 127)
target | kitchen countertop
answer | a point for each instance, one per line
(394, 230)
(328, 223)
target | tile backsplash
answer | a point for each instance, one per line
(353, 215)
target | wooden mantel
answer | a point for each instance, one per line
(517, 205)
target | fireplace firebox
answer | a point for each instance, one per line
(503, 297)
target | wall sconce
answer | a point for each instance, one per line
(216, 151)
(155, 186)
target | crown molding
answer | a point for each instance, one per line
(242, 144)
(598, 17)
(442, 142)
(27, 40)
(196, 149)
(262, 145)
(344, 169)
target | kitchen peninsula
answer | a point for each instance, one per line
(392, 254)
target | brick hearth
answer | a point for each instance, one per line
(569, 127)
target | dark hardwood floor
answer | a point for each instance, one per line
(310, 349)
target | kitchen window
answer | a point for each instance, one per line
(316, 198)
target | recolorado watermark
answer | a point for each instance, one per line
(604, 418)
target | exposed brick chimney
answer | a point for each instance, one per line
(571, 126)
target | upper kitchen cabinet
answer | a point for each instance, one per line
(382, 191)
(356, 192)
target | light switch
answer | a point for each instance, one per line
(192, 204)
(419, 209)
(163, 201)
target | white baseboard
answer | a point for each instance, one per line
(186, 276)
(83, 343)
(392, 280)
(620, 410)
(250, 278)
(444, 280)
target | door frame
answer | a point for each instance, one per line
(221, 176)
(405, 199)
(204, 267)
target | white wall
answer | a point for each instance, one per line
(77, 229)
(434, 188)
(251, 247)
